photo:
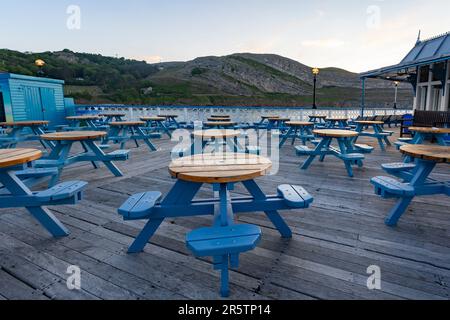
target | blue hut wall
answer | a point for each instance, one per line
(32, 98)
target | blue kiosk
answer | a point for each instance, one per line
(24, 98)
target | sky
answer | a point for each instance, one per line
(357, 35)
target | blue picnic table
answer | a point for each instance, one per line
(16, 194)
(61, 157)
(124, 131)
(318, 120)
(378, 132)
(336, 123)
(226, 239)
(86, 122)
(298, 130)
(403, 169)
(220, 124)
(171, 121)
(111, 117)
(156, 124)
(20, 131)
(345, 152)
(418, 184)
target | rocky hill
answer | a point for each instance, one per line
(237, 79)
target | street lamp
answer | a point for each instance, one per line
(396, 83)
(315, 72)
(40, 64)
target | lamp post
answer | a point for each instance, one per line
(315, 72)
(40, 64)
(396, 83)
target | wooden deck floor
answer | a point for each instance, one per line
(334, 241)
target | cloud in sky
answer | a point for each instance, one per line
(320, 33)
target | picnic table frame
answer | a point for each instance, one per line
(419, 183)
(298, 130)
(171, 120)
(336, 123)
(180, 202)
(124, 131)
(378, 133)
(112, 117)
(217, 137)
(156, 124)
(15, 136)
(20, 196)
(346, 151)
(60, 156)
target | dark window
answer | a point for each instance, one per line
(438, 71)
(424, 74)
(2, 109)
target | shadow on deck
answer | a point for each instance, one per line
(334, 242)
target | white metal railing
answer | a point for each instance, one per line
(238, 114)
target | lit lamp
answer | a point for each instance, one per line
(315, 72)
(396, 83)
(40, 64)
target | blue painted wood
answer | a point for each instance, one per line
(224, 244)
(295, 196)
(364, 148)
(139, 205)
(393, 168)
(36, 173)
(303, 150)
(217, 241)
(17, 189)
(32, 98)
(69, 189)
(390, 187)
(119, 155)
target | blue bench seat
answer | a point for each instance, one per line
(36, 173)
(62, 191)
(139, 205)
(398, 167)
(364, 148)
(352, 156)
(119, 155)
(295, 196)
(224, 244)
(388, 187)
(405, 139)
(303, 150)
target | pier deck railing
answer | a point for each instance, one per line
(238, 114)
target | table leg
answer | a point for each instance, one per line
(343, 149)
(133, 133)
(423, 170)
(325, 141)
(59, 154)
(146, 139)
(86, 149)
(181, 194)
(101, 155)
(273, 216)
(17, 188)
(285, 137)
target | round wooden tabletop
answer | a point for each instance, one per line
(220, 116)
(369, 122)
(83, 118)
(299, 124)
(335, 133)
(153, 119)
(112, 115)
(430, 130)
(269, 117)
(168, 116)
(218, 119)
(73, 135)
(427, 152)
(216, 133)
(13, 157)
(336, 119)
(318, 117)
(220, 168)
(220, 124)
(24, 123)
(126, 123)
